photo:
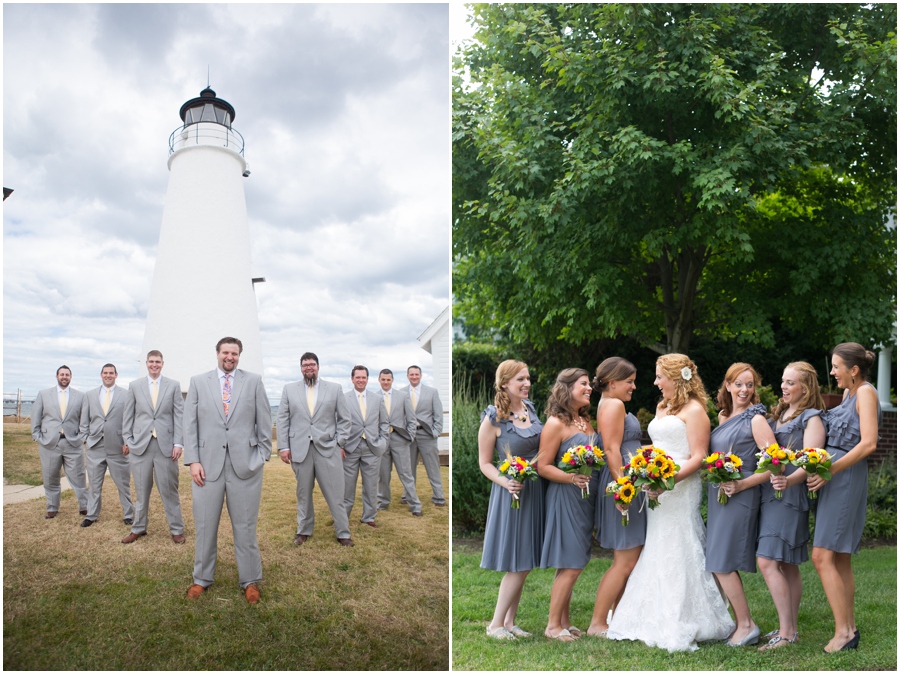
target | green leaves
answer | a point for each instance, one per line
(621, 168)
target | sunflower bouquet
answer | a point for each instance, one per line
(518, 469)
(583, 459)
(721, 467)
(772, 459)
(623, 491)
(651, 466)
(815, 462)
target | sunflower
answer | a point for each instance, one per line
(638, 461)
(623, 480)
(504, 466)
(626, 493)
(668, 470)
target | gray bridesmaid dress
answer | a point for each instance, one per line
(841, 513)
(607, 519)
(731, 529)
(784, 522)
(513, 537)
(570, 518)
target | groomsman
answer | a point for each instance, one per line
(56, 427)
(366, 444)
(227, 440)
(429, 424)
(402, 428)
(101, 425)
(313, 424)
(151, 429)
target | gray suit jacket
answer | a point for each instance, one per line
(402, 418)
(375, 425)
(96, 426)
(429, 412)
(328, 428)
(46, 421)
(247, 434)
(139, 418)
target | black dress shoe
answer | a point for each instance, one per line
(417, 514)
(86, 522)
(128, 521)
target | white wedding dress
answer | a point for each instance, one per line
(670, 601)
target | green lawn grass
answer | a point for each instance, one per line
(21, 460)
(77, 598)
(475, 594)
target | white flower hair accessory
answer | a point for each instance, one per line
(686, 373)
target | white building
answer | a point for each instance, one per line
(436, 341)
(202, 283)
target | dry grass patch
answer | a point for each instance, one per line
(21, 460)
(78, 599)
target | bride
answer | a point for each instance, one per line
(670, 601)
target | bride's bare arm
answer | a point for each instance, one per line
(694, 417)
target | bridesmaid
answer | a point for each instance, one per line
(512, 537)
(570, 518)
(841, 515)
(621, 436)
(784, 523)
(732, 528)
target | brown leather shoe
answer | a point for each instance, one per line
(50, 514)
(346, 542)
(417, 513)
(251, 592)
(132, 537)
(178, 538)
(194, 591)
(371, 524)
(440, 505)
(300, 539)
(82, 512)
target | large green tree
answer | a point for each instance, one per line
(663, 170)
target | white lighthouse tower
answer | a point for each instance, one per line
(203, 284)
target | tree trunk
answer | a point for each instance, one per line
(679, 300)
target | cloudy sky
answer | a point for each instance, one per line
(345, 113)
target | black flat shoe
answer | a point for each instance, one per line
(850, 645)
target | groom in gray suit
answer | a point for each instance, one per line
(101, 424)
(151, 429)
(55, 426)
(366, 444)
(429, 424)
(227, 440)
(313, 425)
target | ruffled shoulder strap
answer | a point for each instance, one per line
(751, 412)
(809, 413)
(491, 413)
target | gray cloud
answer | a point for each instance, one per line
(345, 110)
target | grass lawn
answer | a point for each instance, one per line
(475, 594)
(77, 598)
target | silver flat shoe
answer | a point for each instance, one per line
(500, 633)
(517, 631)
(749, 640)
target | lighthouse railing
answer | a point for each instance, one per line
(206, 133)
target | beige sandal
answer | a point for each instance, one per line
(564, 635)
(500, 633)
(574, 631)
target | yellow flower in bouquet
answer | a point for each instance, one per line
(623, 491)
(815, 461)
(772, 459)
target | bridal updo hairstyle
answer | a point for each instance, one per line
(856, 354)
(505, 372)
(560, 395)
(812, 396)
(612, 369)
(671, 365)
(724, 400)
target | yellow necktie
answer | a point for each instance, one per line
(362, 410)
(310, 399)
(387, 403)
(62, 405)
(154, 396)
(106, 403)
(412, 397)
